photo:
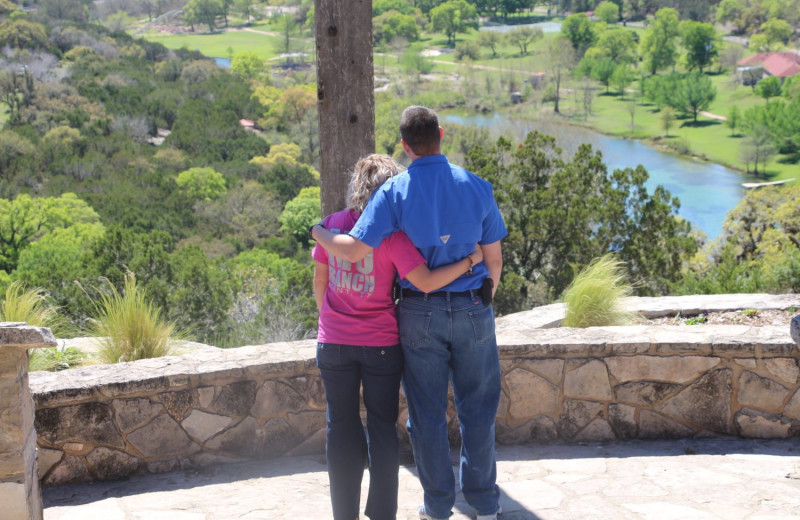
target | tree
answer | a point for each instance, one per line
(667, 119)
(621, 78)
(562, 60)
(769, 87)
(300, 213)
(561, 213)
(757, 148)
(23, 34)
(607, 12)
(580, 32)
(201, 183)
(392, 25)
(777, 31)
(616, 43)
(658, 45)
(467, 50)
(697, 93)
(524, 36)
(701, 43)
(26, 219)
(17, 90)
(287, 27)
(247, 65)
(452, 17)
(490, 39)
(600, 69)
(204, 11)
(734, 117)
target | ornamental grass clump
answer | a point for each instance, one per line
(129, 326)
(595, 296)
(29, 306)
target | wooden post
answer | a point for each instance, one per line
(345, 93)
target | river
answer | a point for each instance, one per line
(707, 191)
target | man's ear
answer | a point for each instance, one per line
(406, 148)
(441, 132)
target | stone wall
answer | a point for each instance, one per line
(20, 494)
(559, 384)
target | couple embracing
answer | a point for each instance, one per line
(421, 226)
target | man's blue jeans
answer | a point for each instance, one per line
(451, 338)
(344, 369)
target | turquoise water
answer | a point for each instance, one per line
(706, 191)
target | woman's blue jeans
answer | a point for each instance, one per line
(452, 338)
(344, 369)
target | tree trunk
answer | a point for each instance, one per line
(345, 93)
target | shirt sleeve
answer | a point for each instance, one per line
(378, 221)
(404, 255)
(494, 228)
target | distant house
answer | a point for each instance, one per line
(752, 69)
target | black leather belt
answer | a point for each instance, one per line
(411, 293)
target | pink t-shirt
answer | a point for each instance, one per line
(357, 308)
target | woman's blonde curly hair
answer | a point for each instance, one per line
(369, 173)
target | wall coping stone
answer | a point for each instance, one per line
(549, 316)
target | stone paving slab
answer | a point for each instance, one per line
(710, 479)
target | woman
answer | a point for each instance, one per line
(358, 344)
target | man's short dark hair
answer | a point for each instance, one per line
(419, 128)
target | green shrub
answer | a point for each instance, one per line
(130, 326)
(55, 359)
(594, 298)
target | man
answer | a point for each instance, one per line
(447, 335)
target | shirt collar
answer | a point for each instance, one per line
(428, 159)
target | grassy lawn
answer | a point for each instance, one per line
(217, 45)
(709, 139)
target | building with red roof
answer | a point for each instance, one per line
(780, 64)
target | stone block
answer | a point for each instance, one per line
(162, 438)
(135, 413)
(747, 363)
(48, 458)
(201, 426)
(87, 422)
(316, 393)
(656, 426)
(645, 393)
(596, 431)
(106, 464)
(784, 368)
(550, 369)
(178, 404)
(671, 369)
(163, 466)
(205, 396)
(793, 406)
(530, 395)
(279, 438)
(589, 381)
(314, 445)
(794, 329)
(577, 414)
(761, 393)
(68, 471)
(307, 422)
(274, 398)
(25, 336)
(236, 399)
(243, 440)
(502, 408)
(753, 424)
(12, 465)
(623, 420)
(706, 403)
(543, 429)
(14, 498)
